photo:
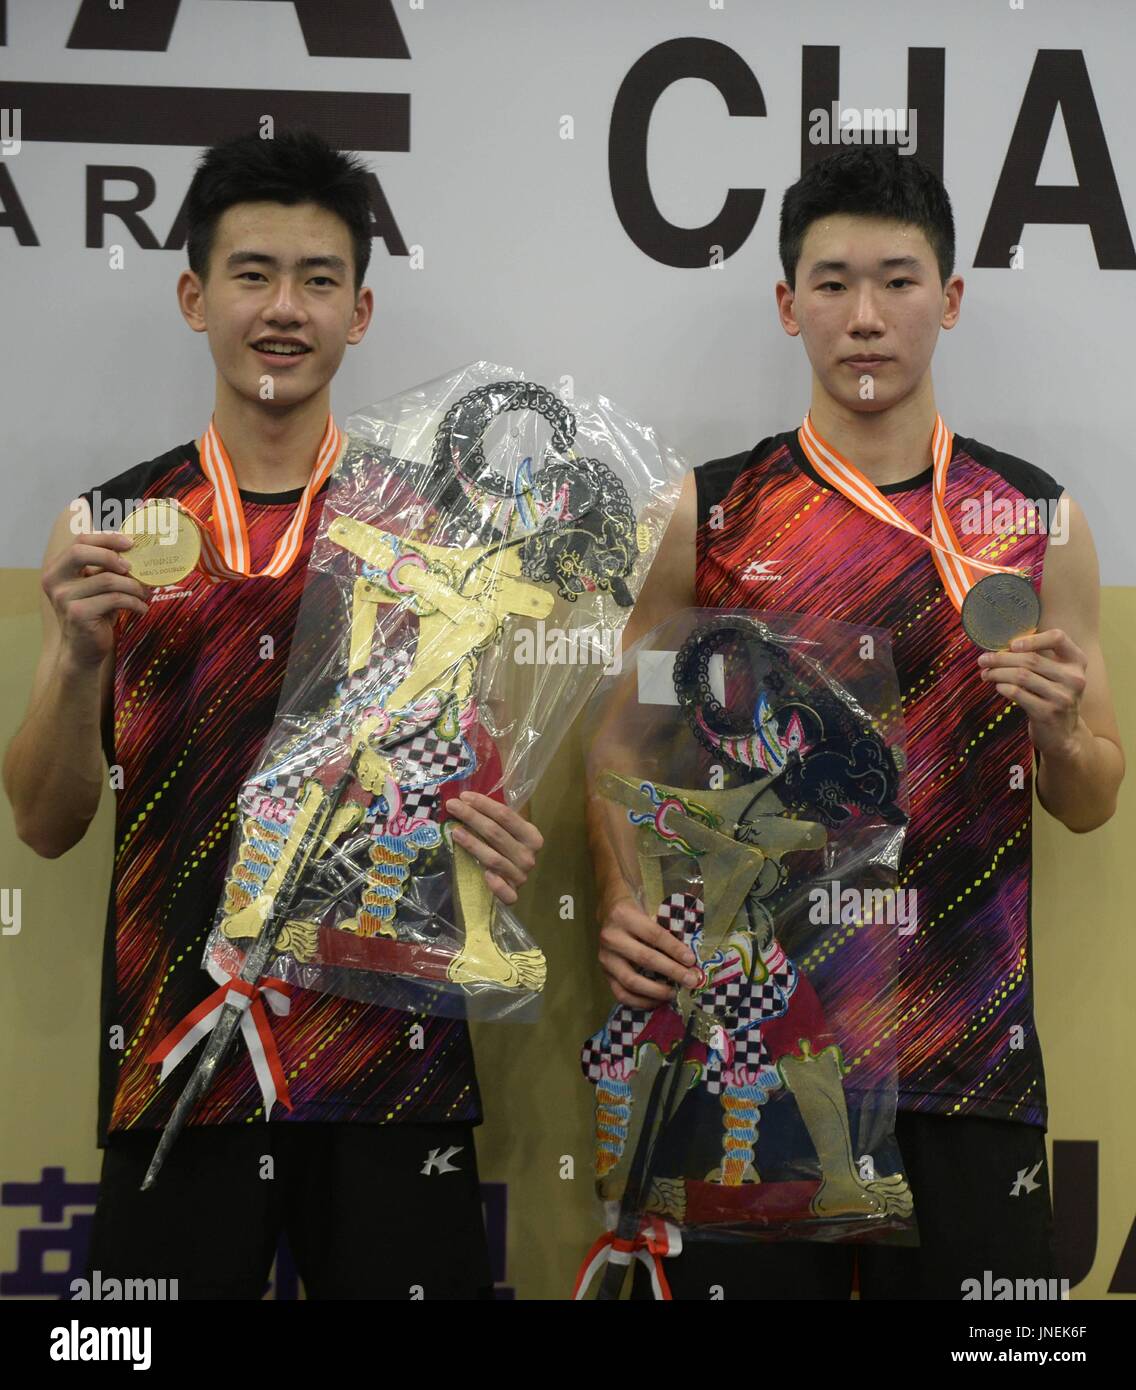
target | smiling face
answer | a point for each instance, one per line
(278, 300)
(868, 303)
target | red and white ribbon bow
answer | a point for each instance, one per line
(255, 1027)
(656, 1239)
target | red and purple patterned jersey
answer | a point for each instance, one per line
(196, 684)
(772, 536)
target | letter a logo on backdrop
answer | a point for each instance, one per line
(121, 114)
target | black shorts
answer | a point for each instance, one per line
(981, 1190)
(369, 1211)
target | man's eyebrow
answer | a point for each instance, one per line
(304, 263)
(890, 263)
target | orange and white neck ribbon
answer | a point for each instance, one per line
(225, 552)
(255, 1028)
(958, 571)
(656, 1239)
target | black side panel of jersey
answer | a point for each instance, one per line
(135, 481)
(714, 479)
(1033, 482)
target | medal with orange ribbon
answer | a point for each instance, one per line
(225, 550)
(995, 602)
(170, 540)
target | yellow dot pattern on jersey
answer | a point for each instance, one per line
(961, 760)
(220, 828)
(932, 850)
(788, 526)
(411, 1094)
(461, 1095)
(977, 882)
(1001, 990)
(122, 714)
(830, 944)
(349, 1014)
(1023, 1097)
(997, 1067)
(140, 818)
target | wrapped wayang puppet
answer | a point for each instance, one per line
(751, 767)
(480, 547)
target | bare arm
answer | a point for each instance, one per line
(1058, 677)
(53, 767)
(631, 941)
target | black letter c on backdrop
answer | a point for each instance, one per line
(685, 247)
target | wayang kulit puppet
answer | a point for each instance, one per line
(480, 547)
(751, 764)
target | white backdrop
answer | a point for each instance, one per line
(524, 260)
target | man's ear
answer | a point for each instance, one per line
(361, 317)
(786, 308)
(191, 300)
(952, 296)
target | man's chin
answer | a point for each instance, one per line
(867, 397)
(275, 391)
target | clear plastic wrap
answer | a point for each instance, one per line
(480, 547)
(751, 766)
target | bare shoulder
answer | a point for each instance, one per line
(669, 585)
(1070, 580)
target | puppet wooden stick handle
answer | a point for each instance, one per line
(255, 962)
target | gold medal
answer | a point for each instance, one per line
(167, 543)
(999, 608)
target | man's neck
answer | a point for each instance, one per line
(271, 450)
(887, 446)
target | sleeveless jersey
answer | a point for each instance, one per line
(773, 536)
(195, 689)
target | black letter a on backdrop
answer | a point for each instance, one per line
(331, 28)
(1059, 78)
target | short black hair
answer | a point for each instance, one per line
(868, 181)
(296, 166)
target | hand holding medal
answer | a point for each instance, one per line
(1044, 673)
(89, 586)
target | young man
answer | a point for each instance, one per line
(373, 1176)
(867, 245)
